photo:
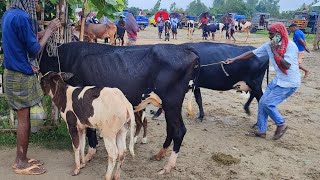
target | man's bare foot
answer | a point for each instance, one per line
(30, 161)
(28, 167)
(306, 74)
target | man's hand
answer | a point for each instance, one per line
(229, 61)
(54, 25)
(35, 69)
(274, 46)
(307, 49)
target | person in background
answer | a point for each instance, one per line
(160, 21)
(204, 23)
(174, 25)
(231, 30)
(284, 56)
(132, 29)
(121, 21)
(21, 86)
(299, 39)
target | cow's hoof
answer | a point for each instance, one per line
(90, 154)
(76, 172)
(156, 158)
(135, 139)
(166, 170)
(199, 120)
(82, 165)
(144, 140)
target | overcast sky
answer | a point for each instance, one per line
(148, 4)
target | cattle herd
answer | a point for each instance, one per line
(101, 86)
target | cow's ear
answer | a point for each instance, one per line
(66, 76)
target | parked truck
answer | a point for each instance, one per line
(259, 21)
(306, 21)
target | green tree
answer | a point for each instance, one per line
(270, 6)
(173, 7)
(134, 10)
(156, 7)
(196, 7)
(103, 7)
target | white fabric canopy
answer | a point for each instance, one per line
(316, 4)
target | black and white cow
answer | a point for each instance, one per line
(139, 72)
(242, 75)
(213, 28)
(190, 28)
(106, 109)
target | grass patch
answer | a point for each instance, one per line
(309, 37)
(56, 138)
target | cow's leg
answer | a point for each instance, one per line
(111, 146)
(197, 95)
(139, 125)
(112, 40)
(176, 131)
(74, 133)
(121, 145)
(247, 104)
(122, 41)
(163, 151)
(82, 136)
(145, 126)
(93, 141)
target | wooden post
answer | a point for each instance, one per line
(42, 14)
(317, 36)
(62, 18)
(7, 4)
(83, 19)
(11, 119)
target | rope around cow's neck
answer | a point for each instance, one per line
(52, 47)
(221, 63)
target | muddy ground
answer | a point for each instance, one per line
(216, 148)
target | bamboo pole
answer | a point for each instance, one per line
(42, 14)
(7, 4)
(82, 20)
(317, 38)
(62, 18)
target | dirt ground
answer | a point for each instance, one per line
(216, 148)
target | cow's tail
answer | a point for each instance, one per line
(132, 128)
(193, 85)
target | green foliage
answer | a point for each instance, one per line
(4, 107)
(270, 6)
(156, 7)
(196, 7)
(56, 138)
(134, 10)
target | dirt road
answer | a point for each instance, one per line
(206, 146)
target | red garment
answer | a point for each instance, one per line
(281, 29)
(204, 20)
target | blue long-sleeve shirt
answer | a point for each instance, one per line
(18, 41)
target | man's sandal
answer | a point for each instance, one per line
(256, 134)
(32, 170)
(280, 132)
(31, 162)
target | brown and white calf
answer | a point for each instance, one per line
(106, 109)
